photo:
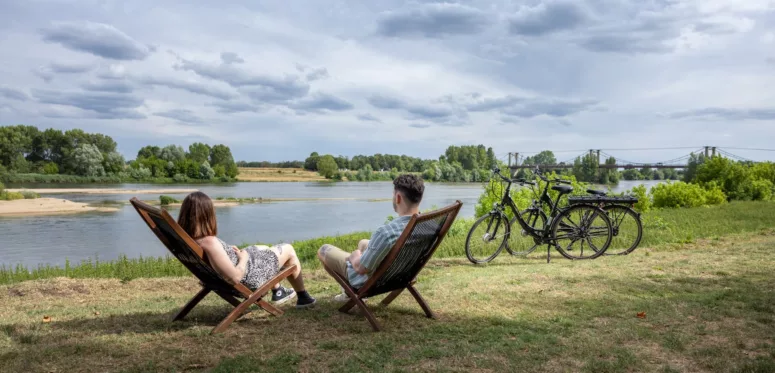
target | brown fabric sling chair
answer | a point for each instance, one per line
(183, 247)
(399, 269)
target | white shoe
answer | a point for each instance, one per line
(342, 298)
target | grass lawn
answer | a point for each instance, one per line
(705, 306)
(277, 174)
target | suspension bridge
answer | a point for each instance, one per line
(675, 163)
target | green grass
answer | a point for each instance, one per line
(671, 227)
(709, 307)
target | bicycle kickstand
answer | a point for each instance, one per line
(548, 250)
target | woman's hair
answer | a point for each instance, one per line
(197, 216)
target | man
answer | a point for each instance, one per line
(357, 266)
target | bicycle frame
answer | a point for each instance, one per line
(506, 200)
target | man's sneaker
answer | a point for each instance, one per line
(344, 298)
(305, 302)
(282, 295)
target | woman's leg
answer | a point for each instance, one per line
(286, 255)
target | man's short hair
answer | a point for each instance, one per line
(411, 187)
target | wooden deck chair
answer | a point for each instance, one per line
(183, 247)
(399, 269)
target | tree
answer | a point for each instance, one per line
(545, 157)
(205, 171)
(113, 163)
(311, 163)
(87, 160)
(220, 155)
(172, 153)
(326, 166)
(149, 151)
(199, 152)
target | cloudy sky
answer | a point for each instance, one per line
(275, 82)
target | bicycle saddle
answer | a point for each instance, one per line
(563, 189)
(596, 192)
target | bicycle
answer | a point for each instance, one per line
(617, 208)
(559, 226)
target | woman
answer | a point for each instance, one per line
(253, 266)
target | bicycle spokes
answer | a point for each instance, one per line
(582, 232)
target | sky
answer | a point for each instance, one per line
(278, 80)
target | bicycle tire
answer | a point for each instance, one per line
(532, 214)
(479, 221)
(565, 213)
(627, 211)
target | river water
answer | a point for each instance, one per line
(40, 240)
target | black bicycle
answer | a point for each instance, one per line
(626, 223)
(579, 223)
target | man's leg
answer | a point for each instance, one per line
(334, 258)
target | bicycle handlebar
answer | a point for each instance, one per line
(497, 171)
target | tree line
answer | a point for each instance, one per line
(27, 152)
(469, 163)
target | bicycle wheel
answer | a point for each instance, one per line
(627, 229)
(515, 244)
(579, 224)
(491, 229)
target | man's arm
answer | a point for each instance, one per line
(369, 260)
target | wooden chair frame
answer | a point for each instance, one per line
(229, 292)
(367, 290)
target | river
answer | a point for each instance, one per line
(40, 240)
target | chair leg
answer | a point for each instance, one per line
(392, 296)
(354, 299)
(254, 297)
(269, 308)
(191, 304)
(421, 301)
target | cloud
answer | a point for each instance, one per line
(319, 102)
(13, 94)
(259, 87)
(385, 102)
(317, 74)
(368, 118)
(442, 113)
(419, 125)
(433, 21)
(530, 107)
(548, 17)
(98, 39)
(193, 87)
(716, 113)
(181, 115)
(109, 86)
(108, 105)
(230, 58)
(229, 107)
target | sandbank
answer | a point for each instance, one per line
(46, 206)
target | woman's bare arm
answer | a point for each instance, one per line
(221, 262)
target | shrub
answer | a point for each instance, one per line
(166, 200)
(2, 187)
(11, 196)
(140, 173)
(644, 200)
(50, 168)
(681, 194)
(180, 178)
(759, 190)
(28, 194)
